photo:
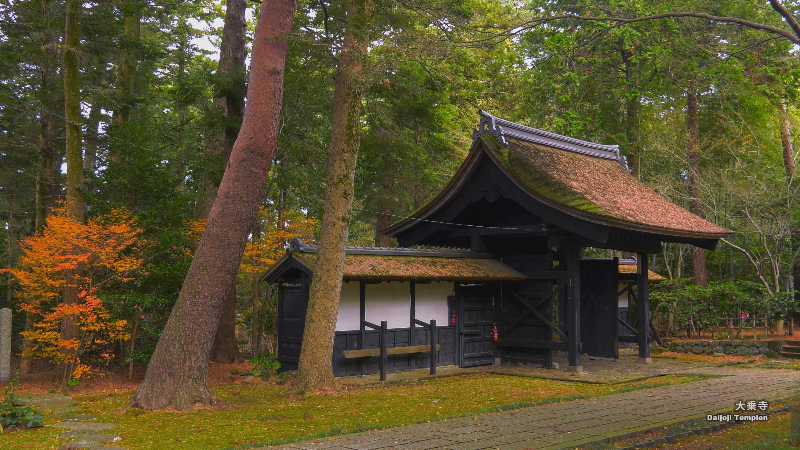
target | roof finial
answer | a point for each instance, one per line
(487, 125)
(295, 244)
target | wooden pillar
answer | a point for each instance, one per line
(412, 335)
(573, 318)
(563, 300)
(434, 344)
(362, 291)
(643, 307)
(382, 357)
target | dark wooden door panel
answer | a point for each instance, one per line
(474, 323)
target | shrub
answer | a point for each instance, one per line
(13, 416)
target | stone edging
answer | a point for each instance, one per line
(723, 348)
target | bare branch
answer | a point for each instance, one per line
(753, 262)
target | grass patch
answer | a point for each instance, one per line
(267, 415)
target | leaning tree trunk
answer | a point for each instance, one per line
(315, 369)
(75, 203)
(231, 73)
(177, 375)
(698, 254)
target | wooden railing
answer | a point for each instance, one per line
(382, 351)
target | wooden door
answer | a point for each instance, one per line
(474, 322)
(292, 304)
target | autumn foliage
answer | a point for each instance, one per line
(92, 257)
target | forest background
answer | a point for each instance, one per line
(704, 111)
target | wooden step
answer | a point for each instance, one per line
(790, 355)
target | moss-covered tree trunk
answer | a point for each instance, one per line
(177, 375)
(315, 370)
(698, 254)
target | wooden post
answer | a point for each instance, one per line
(434, 344)
(382, 361)
(412, 337)
(573, 310)
(362, 292)
(643, 305)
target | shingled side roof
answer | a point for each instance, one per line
(367, 263)
(580, 178)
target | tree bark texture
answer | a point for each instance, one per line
(72, 103)
(384, 218)
(786, 142)
(233, 53)
(131, 26)
(789, 167)
(177, 375)
(698, 254)
(74, 152)
(232, 86)
(315, 370)
(632, 105)
(225, 349)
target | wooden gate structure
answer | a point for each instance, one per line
(534, 200)
(525, 202)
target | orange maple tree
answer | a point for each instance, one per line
(105, 250)
(261, 252)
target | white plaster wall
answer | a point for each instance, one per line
(390, 302)
(349, 307)
(622, 301)
(431, 302)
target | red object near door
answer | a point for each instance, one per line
(453, 320)
(494, 334)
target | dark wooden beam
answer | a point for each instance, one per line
(572, 257)
(536, 313)
(528, 343)
(643, 307)
(412, 337)
(362, 300)
(630, 328)
(538, 230)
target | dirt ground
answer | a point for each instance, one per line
(46, 380)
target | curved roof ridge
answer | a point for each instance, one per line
(502, 128)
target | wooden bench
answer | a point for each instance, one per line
(368, 352)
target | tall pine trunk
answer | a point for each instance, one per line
(698, 254)
(177, 375)
(233, 53)
(789, 167)
(315, 369)
(74, 151)
(131, 26)
(384, 218)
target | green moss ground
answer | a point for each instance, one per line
(256, 415)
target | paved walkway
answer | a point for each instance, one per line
(573, 423)
(80, 430)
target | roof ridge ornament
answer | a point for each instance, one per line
(501, 128)
(487, 126)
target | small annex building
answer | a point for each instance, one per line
(524, 204)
